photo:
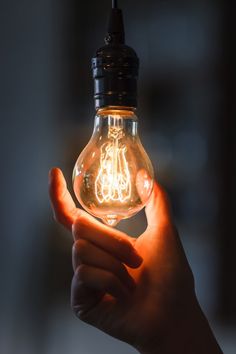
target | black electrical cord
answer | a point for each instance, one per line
(114, 4)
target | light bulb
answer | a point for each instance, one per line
(113, 176)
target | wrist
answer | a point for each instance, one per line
(190, 333)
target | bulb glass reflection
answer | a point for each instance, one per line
(113, 176)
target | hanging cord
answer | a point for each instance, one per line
(115, 29)
(114, 4)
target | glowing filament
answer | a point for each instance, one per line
(113, 179)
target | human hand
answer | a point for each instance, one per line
(140, 291)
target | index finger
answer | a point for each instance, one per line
(113, 241)
(87, 227)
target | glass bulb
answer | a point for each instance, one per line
(113, 176)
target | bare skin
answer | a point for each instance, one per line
(140, 291)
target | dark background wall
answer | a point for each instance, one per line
(186, 111)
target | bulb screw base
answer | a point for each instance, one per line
(115, 68)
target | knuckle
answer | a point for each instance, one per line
(80, 248)
(81, 314)
(59, 217)
(75, 230)
(80, 221)
(79, 226)
(77, 310)
(80, 273)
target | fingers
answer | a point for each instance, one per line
(98, 254)
(82, 297)
(112, 241)
(90, 284)
(85, 252)
(158, 209)
(101, 280)
(64, 208)
(85, 226)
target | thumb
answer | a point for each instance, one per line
(158, 210)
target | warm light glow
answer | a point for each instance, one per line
(113, 180)
(113, 176)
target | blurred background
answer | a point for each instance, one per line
(186, 113)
